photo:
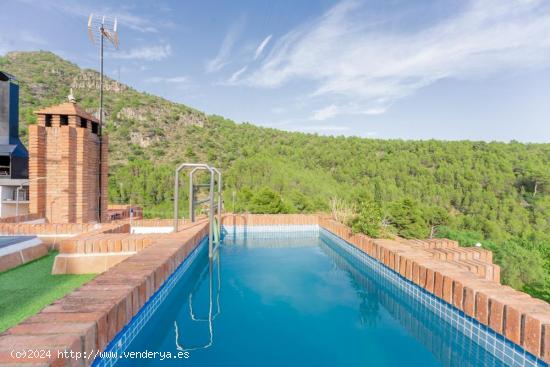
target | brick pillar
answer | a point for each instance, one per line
(104, 176)
(92, 177)
(68, 158)
(71, 188)
(65, 176)
(37, 169)
(82, 188)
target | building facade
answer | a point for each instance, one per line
(14, 197)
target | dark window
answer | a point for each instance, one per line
(83, 122)
(64, 120)
(48, 120)
(95, 128)
(5, 165)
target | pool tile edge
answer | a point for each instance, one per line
(461, 290)
(89, 318)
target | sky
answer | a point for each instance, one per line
(424, 69)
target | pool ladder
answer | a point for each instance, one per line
(211, 315)
(214, 199)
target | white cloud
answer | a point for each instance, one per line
(222, 58)
(326, 113)
(235, 76)
(135, 22)
(174, 79)
(261, 47)
(353, 59)
(334, 110)
(76, 9)
(148, 53)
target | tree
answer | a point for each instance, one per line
(407, 218)
(266, 201)
(435, 216)
(540, 177)
(368, 220)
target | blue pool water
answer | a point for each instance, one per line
(6, 241)
(281, 300)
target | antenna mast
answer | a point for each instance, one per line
(99, 29)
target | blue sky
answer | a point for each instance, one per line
(443, 69)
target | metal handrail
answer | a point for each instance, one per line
(218, 310)
(211, 316)
(219, 203)
(214, 205)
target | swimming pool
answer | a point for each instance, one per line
(6, 241)
(300, 298)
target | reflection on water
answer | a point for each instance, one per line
(450, 346)
(272, 300)
(259, 240)
(209, 273)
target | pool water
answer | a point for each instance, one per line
(302, 301)
(6, 241)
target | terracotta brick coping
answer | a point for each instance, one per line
(90, 317)
(269, 219)
(431, 265)
(119, 343)
(520, 318)
(21, 218)
(21, 252)
(18, 243)
(51, 229)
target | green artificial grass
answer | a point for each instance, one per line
(26, 289)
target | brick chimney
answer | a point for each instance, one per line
(68, 165)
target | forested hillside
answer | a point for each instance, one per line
(494, 193)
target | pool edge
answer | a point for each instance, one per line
(474, 292)
(77, 327)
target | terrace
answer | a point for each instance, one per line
(461, 281)
(287, 274)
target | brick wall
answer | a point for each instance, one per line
(104, 177)
(21, 218)
(269, 219)
(431, 264)
(122, 211)
(37, 168)
(64, 169)
(523, 319)
(7, 229)
(91, 316)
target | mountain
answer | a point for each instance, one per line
(496, 193)
(143, 120)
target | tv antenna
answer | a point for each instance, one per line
(101, 28)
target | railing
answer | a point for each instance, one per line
(23, 195)
(211, 314)
(214, 199)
